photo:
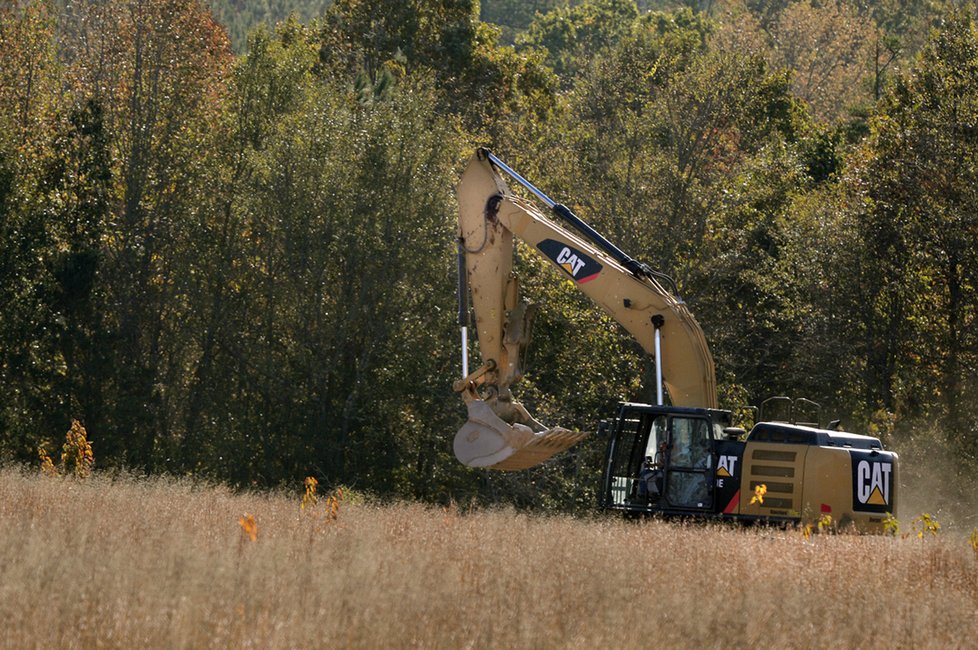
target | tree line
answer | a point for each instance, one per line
(240, 266)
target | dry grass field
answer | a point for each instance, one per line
(129, 563)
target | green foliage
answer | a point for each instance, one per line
(341, 222)
(514, 16)
(828, 47)
(241, 17)
(917, 222)
(891, 526)
(675, 152)
(571, 34)
(478, 79)
(925, 524)
(821, 152)
(29, 363)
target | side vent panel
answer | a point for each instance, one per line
(781, 469)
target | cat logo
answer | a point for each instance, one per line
(727, 466)
(873, 483)
(575, 263)
(569, 261)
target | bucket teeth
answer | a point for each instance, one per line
(543, 446)
(486, 441)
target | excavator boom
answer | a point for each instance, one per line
(499, 433)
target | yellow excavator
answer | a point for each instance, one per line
(680, 458)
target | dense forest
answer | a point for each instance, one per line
(241, 17)
(237, 262)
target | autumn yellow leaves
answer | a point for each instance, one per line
(310, 506)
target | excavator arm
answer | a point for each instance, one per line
(499, 432)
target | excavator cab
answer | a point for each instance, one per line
(664, 458)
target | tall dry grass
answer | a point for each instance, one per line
(163, 563)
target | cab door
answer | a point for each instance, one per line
(689, 464)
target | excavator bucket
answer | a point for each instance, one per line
(486, 441)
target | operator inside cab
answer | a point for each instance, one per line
(652, 474)
(689, 457)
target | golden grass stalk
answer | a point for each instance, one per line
(160, 563)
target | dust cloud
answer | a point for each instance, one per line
(936, 480)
